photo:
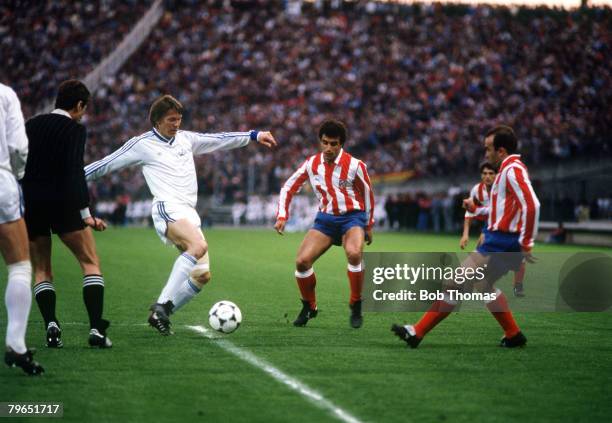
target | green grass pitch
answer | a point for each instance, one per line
(458, 374)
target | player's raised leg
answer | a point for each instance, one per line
(353, 247)
(44, 289)
(18, 295)
(315, 243)
(82, 244)
(189, 274)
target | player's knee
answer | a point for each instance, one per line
(353, 255)
(203, 279)
(198, 249)
(302, 264)
(201, 274)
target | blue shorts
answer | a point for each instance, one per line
(336, 226)
(501, 242)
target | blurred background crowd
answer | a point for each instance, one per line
(417, 85)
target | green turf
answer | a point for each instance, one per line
(458, 373)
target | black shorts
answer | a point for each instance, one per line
(42, 219)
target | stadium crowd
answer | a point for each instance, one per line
(416, 85)
(46, 42)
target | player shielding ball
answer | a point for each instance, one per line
(166, 156)
(513, 216)
(481, 194)
(345, 217)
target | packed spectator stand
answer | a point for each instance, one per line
(417, 85)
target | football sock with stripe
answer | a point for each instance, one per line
(44, 293)
(438, 311)
(307, 281)
(183, 265)
(185, 293)
(355, 276)
(500, 310)
(93, 297)
(18, 299)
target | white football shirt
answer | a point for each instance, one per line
(167, 164)
(13, 138)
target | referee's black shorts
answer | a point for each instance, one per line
(44, 218)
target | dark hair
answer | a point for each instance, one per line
(161, 106)
(333, 129)
(503, 136)
(487, 165)
(69, 94)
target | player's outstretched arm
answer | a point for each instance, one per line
(369, 236)
(207, 143)
(128, 155)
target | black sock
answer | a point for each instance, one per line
(45, 297)
(93, 297)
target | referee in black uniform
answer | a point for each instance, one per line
(57, 201)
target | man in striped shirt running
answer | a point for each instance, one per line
(513, 216)
(345, 217)
(480, 193)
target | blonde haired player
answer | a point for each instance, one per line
(166, 156)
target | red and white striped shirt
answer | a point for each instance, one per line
(480, 193)
(341, 187)
(514, 205)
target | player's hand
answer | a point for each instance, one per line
(280, 226)
(469, 205)
(463, 242)
(266, 138)
(95, 223)
(368, 236)
(528, 257)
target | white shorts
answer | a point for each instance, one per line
(164, 213)
(11, 202)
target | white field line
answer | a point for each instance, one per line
(301, 388)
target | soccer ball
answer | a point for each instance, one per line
(224, 316)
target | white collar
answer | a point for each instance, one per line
(62, 112)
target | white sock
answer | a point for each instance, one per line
(186, 292)
(180, 273)
(18, 299)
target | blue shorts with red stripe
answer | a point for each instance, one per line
(336, 226)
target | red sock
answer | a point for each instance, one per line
(500, 310)
(356, 282)
(438, 311)
(307, 286)
(519, 274)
